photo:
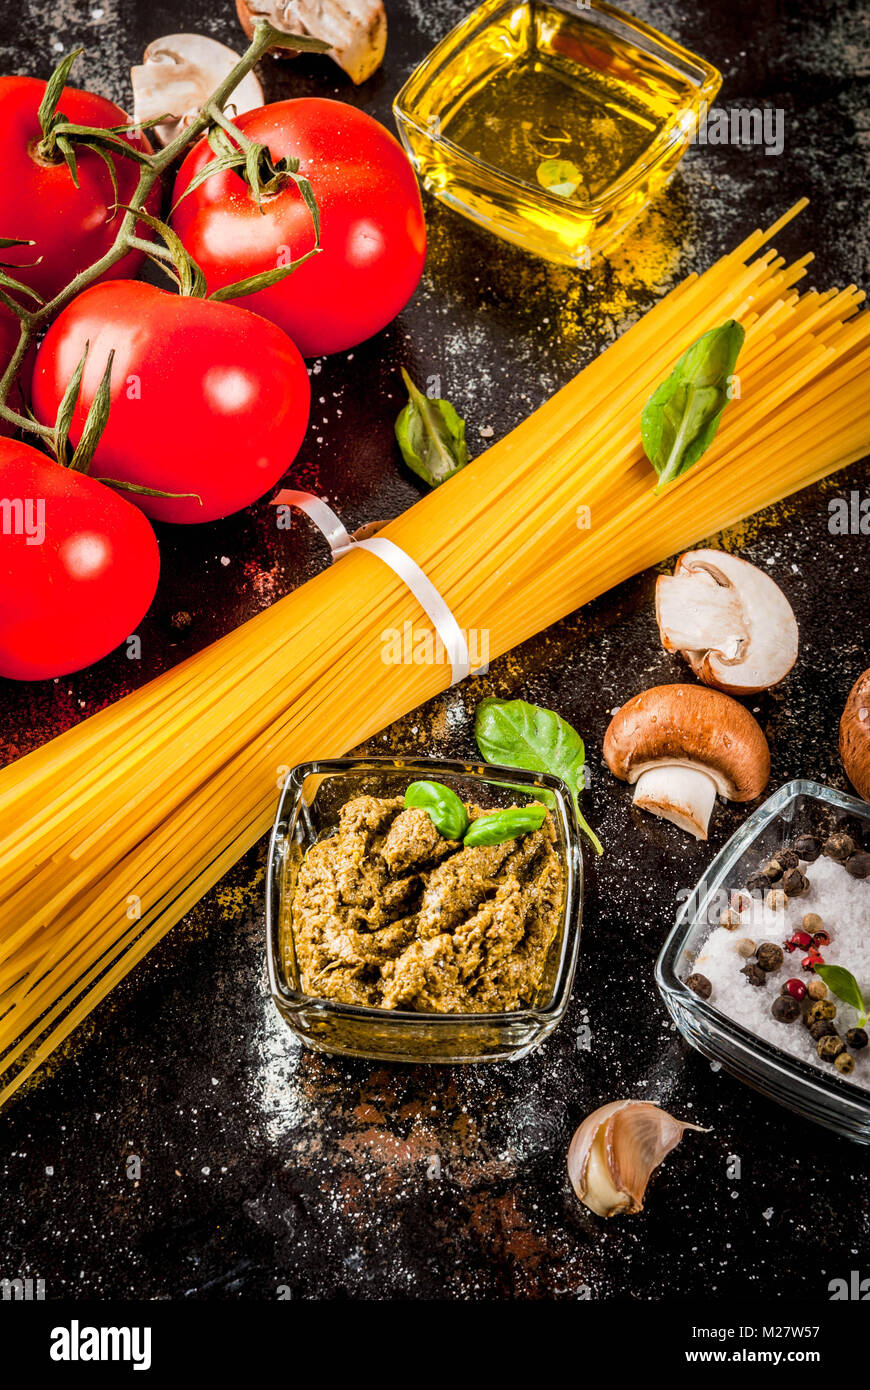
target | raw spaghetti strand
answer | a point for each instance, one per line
(153, 799)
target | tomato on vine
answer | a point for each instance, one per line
(78, 566)
(60, 192)
(373, 237)
(206, 398)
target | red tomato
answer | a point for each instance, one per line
(78, 566)
(9, 329)
(372, 230)
(206, 398)
(72, 227)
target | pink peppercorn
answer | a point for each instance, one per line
(796, 988)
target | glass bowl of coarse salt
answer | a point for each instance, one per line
(732, 970)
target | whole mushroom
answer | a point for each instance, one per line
(732, 623)
(679, 745)
(356, 30)
(177, 76)
(855, 736)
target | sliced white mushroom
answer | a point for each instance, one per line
(178, 74)
(356, 30)
(731, 622)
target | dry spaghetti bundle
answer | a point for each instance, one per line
(112, 831)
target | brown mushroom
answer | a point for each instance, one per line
(679, 745)
(356, 30)
(855, 736)
(177, 76)
(732, 623)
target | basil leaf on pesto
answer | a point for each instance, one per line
(500, 826)
(445, 809)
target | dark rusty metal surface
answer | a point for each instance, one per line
(182, 1143)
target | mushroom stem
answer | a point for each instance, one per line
(683, 795)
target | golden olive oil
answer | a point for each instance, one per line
(553, 124)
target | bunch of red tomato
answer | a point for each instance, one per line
(209, 399)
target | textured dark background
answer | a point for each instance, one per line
(265, 1167)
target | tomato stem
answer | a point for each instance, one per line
(152, 166)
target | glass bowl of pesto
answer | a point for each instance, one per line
(801, 811)
(359, 954)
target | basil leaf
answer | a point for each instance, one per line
(445, 809)
(431, 436)
(515, 733)
(680, 420)
(843, 983)
(495, 829)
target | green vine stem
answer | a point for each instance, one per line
(151, 168)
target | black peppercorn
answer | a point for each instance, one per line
(822, 1028)
(839, 846)
(807, 848)
(830, 1046)
(794, 883)
(857, 1038)
(823, 1008)
(754, 974)
(787, 859)
(758, 883)
(772, 871)
(785, 1009)
(769, 956)
(844, 1063)
(858, 865)
(700, 985)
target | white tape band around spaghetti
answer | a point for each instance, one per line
(341, 543)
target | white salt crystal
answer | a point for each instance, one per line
(843, 903)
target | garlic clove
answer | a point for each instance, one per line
(615, 1151)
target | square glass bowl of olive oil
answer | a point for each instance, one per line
(552, 124)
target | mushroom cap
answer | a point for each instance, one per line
(690, 726)
(730, 620)
(855, 736)
(178, 74)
